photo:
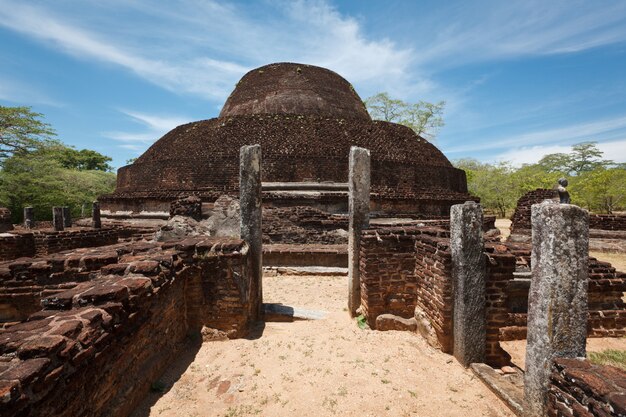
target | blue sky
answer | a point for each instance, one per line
(520, 78)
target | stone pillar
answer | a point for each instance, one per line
(95, 215)
(557, 301)
(67, 217)
(359, 206)
(29, 217)
(469, 279)
(57, 218)
(250, 202)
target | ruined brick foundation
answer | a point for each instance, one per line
(116, 315)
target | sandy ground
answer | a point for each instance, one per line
(326, 367)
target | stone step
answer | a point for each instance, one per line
(281, 312)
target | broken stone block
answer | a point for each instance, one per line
(386, 322)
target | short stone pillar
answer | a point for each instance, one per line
(251, 211)
(96, 223)
(67, 217)
(29, 217)
(358, 206)
(469, 275)
(57, 218)
(557, 301)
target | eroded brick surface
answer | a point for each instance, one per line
(581, 389)
(96, 325)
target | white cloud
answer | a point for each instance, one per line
(596, 130)
(486, 30)
(615, 150)
(154, 126)
(188, 56)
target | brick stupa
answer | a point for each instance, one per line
(305, 118)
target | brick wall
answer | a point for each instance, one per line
(521, 216)
(500, 268)
(302, 224)
(14, 245)
(407, 267)
(98, 329)
(404, 268)
(607, 221)
(47, 242)
(581, 389)
(5, 220)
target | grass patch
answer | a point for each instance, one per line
(611, 357)
(361, 322)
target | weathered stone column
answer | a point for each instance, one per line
(557, 301)
(95, 215)
(67, 217)
(251, 211)
(358, 206)
(29, 217)
(57, 218)
(469, 277)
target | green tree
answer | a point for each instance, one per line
(493, 183)
(39, 179)
(585, 157)
(81, 160)
(21, 130)
(423, 117)
(602, 189)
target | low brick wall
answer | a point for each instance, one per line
(521, 216)
(305, 255)
(607, 222)
(500, 267)
(405, 268)
(22, 243)
(408, 269)
(303, 225)
(15, 245)
(5, 220)
(581, 389)
(607, 310)
(50, 241)
(98, 345)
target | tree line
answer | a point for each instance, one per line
(40, 171)
(595, 183)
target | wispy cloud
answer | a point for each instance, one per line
(189, 59)
(487, 30)
(614, 150)
(596, 130)
(153, 127)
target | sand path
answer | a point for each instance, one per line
(326, 367)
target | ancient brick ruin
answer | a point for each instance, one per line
(306, 119)
(101, 309)
(84, 303)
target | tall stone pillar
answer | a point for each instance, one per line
(557, 301)
(469, 277)
(29, 217)
(67, 217)
(359, 206)
(96, 223)
(251, 211)
(57, 218)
